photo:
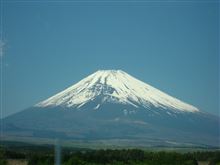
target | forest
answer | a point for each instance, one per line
(44, 155)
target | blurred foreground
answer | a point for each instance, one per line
(23, 154)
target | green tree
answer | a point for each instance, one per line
(75, 161)
(2, 158)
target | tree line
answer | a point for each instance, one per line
(110, 157)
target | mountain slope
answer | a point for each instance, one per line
(110, 105)
(115, 86)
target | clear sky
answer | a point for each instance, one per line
(48, 46)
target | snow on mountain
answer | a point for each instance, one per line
(118, 87)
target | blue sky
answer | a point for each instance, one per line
(49, 46)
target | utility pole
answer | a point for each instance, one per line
(57, 157)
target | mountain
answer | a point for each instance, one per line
(115, 86)
(112, 105)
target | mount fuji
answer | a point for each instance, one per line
(112, 105)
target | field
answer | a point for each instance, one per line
(17, 162)
(203, 162)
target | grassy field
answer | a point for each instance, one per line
(203, 162)
(107, 144)
(17, 162)
(206, 163)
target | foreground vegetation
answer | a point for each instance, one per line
(44, 155)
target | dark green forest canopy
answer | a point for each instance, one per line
(44, 155)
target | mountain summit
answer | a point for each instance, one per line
(110, 106)
(115, 86)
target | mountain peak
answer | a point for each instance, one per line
(110, 71)
(115, 86)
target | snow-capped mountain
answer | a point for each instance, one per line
(118, 87)
(111, 105)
